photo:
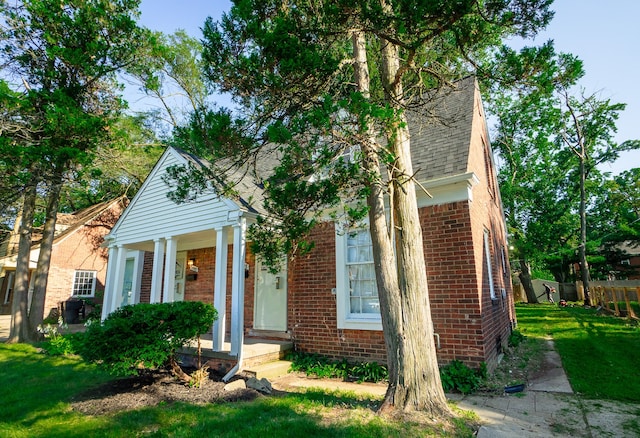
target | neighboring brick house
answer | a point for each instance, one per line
(78, 262)
(325, 301)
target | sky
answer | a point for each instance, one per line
(605, 35)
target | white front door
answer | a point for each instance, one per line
(126, 294)
(270, 310)
(181, 269)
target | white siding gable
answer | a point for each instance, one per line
(151, 214)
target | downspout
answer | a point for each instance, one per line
(235, 368)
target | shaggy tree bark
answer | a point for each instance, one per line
(36, 310)
(416, 384)
(19, 331)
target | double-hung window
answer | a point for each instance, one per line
(84, 284)
(487, 254)
(358, 306)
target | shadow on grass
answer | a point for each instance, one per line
(33, 384)
(600, 353)
(35, 390)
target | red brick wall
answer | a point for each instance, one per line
(312, 306)
(145, 282)
(463, 314)
(453, 289)
(486, 213)
(80, 250)
(201, 288)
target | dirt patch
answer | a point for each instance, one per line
(520, 364)
(151, 388)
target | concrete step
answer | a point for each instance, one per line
(270, 370)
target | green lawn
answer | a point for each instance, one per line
(35, 390)
(600, 353)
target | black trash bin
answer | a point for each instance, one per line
(72, 311)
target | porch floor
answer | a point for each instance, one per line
(255, 351)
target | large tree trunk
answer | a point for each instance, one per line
(582, 251)
(19, 312)
(381, 238)
(414, 379)
(36, 311)
(525, 280)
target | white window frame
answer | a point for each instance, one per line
(9, 279)
(487, 250)
(346, 319)
(75, 280)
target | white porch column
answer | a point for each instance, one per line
(220, 288)
(237, 287)
(156, 275)
(109, 281)
(170, 270)
(118, 277)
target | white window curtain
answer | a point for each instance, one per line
(363, 292)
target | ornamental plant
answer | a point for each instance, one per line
(146, 336)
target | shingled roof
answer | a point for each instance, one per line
(440, 140)
(441, 132)
(66, 223)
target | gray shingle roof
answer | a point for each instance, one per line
(440, 138)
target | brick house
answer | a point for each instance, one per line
(325, 302)
(78, 262)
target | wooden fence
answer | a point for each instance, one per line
(604, 296)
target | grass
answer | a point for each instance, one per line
(35, 390)
(600, 353)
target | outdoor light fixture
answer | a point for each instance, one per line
(192, 265)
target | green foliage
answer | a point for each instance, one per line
(369, 372)
(63, 345)
(547, 137)
(323, 367)
(145, 335)
(515, 338)
(456, 376)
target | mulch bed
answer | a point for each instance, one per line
(151, 388)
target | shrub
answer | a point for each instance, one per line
(63, 345)
(515, 338)
(321, 366)
(459, 377)
(145, 335)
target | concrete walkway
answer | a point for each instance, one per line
(546, 408)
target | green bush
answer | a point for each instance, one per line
(323, 367)
(145, 335)
(62, 345)
(459, 377)
(515, 338)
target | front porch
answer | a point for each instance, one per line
(255, 352)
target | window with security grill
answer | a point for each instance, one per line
(84, 283)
